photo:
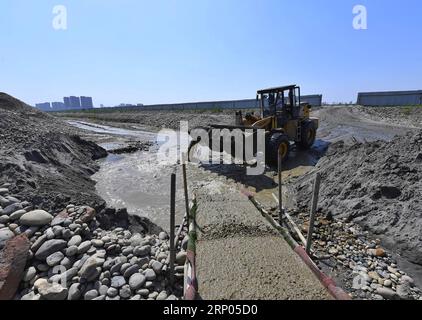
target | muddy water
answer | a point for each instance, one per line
(140, 181)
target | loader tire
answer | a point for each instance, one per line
(278, 144)
(308, 135)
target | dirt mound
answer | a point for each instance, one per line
(10, 103)
(46, 162)
(406, 116)
(154, 120)
(377, 185)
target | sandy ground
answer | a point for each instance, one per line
(239, 255)
(349, 124)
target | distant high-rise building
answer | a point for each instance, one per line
(46, 106)
(75, 102)
(58, 106)
(86, 103)
(66, 101)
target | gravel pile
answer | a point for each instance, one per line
(44, 159)
(376, 185)
(81, 255)
(407, 116)
(367, 270)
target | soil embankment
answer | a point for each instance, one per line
(152, 120)
(44, 159)
(377, 185)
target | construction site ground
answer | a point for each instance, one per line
(239, 254)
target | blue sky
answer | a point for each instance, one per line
(164, 51)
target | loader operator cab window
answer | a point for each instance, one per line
(269, 103)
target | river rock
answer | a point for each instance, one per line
(125, 292)
(4, 219)
(136, 281)
(75, 241)
(12, 208)
(75, 291)
(150, 274)
(5, 235)
(88, 215)
(54, 259)
(142, 251)
(89, 270)
(181, 257)
(72, 251)
(36, 218)
(157, 266)
(118, 281)
(91, 295)
(49, 247)
(97, 243)
(130, 271)
(162, 296)
(163, 236)
(17, 215)
(387, 294)
(102, 290)
(31, 296)
(84, 247)
(112, 292)
(50, 291)
(29, 274)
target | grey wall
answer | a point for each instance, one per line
(314, 100)
(391, 98)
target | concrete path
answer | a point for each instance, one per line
(239, 255)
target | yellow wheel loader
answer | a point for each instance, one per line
(285, 119)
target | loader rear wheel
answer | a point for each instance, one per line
(278, 145)
(308, 135)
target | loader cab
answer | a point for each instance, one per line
(282, 103)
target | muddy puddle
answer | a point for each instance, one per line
(139, 181)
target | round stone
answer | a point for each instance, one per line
(163, 236)
(162, 295)
(112, 292)
(150, 274)
(36, 218)
(103, 290)
(49, 247)
(91, 294)
(157, 266)
(72, 251)
(54, 259)
(5, 235)
(136, 281)
(29, 274)
(118, 282)
(97, 243)
(125, 292)
(84, 247)
(143, 292)
(181, 258)
(17, 215)
(388, 283)
(75, 241)
(4, 219)
(130, 271)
